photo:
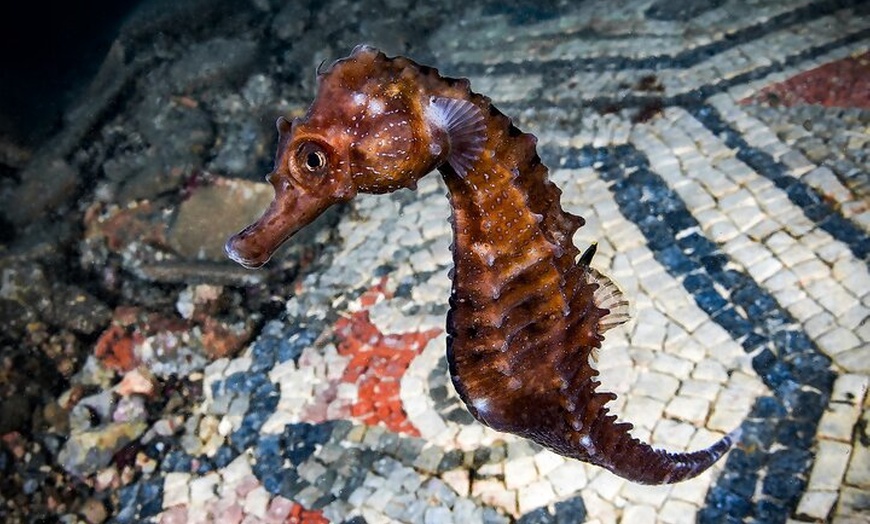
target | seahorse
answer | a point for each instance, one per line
(527, 311)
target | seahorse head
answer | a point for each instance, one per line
(366, 131)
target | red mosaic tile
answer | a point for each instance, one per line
(377, 363)
(300, 515)
(844, 83)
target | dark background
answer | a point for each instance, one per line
(48, 53)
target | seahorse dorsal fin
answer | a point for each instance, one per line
(463, 123)
(608, 296)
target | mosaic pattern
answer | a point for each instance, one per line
(741, 240)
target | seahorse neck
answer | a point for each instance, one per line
(506, 195)
(514, 258)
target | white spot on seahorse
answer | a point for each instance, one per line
(376, 106)
(481, 404)
(557, 250)
(587, 444)
(359, 98)
(485, 252)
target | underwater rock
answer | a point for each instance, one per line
(26, 295)
(289, 23)
(241, 138)
(100, 427)
(76, 309)
(179, 134)
(89, 451)
(45, 185)
(216, 61)
(196, 234)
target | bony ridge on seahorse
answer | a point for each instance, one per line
(526, 309)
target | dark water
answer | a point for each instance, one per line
(49, 51)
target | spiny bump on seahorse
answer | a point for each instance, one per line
(527, 311)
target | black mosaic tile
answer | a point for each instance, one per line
(739, 483)
(698, 283)
(452, 459)
(764, 361)
(786, 487)
(284, 482)
(299, 441)
(809, 405)
(459, 415)
(752, 342)
(812, 369)
(152, 496)
(275, 346)
(523, 13)
(710, 302)
(695, 245)
(537, 516)
(176, 460)
(680, 10)
(482, 456)
(771, 511)
(567, 511)
(673, 257)
(408, 450)
(268, 448)
(740, 459)
(798, 433)
(223, 456)
(733, 322)
(570, 511)
(723, 506)
(140, 501)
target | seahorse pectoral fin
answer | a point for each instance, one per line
(463, 123)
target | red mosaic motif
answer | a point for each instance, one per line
(377, 363)
(300, 515)
(844, 83)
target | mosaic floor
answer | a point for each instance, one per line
(718, 150)
(738, 228)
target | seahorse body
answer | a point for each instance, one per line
(525, 312)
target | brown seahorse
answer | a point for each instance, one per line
(526, 309)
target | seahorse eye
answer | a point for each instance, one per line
(315, 161)
(311, 157)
